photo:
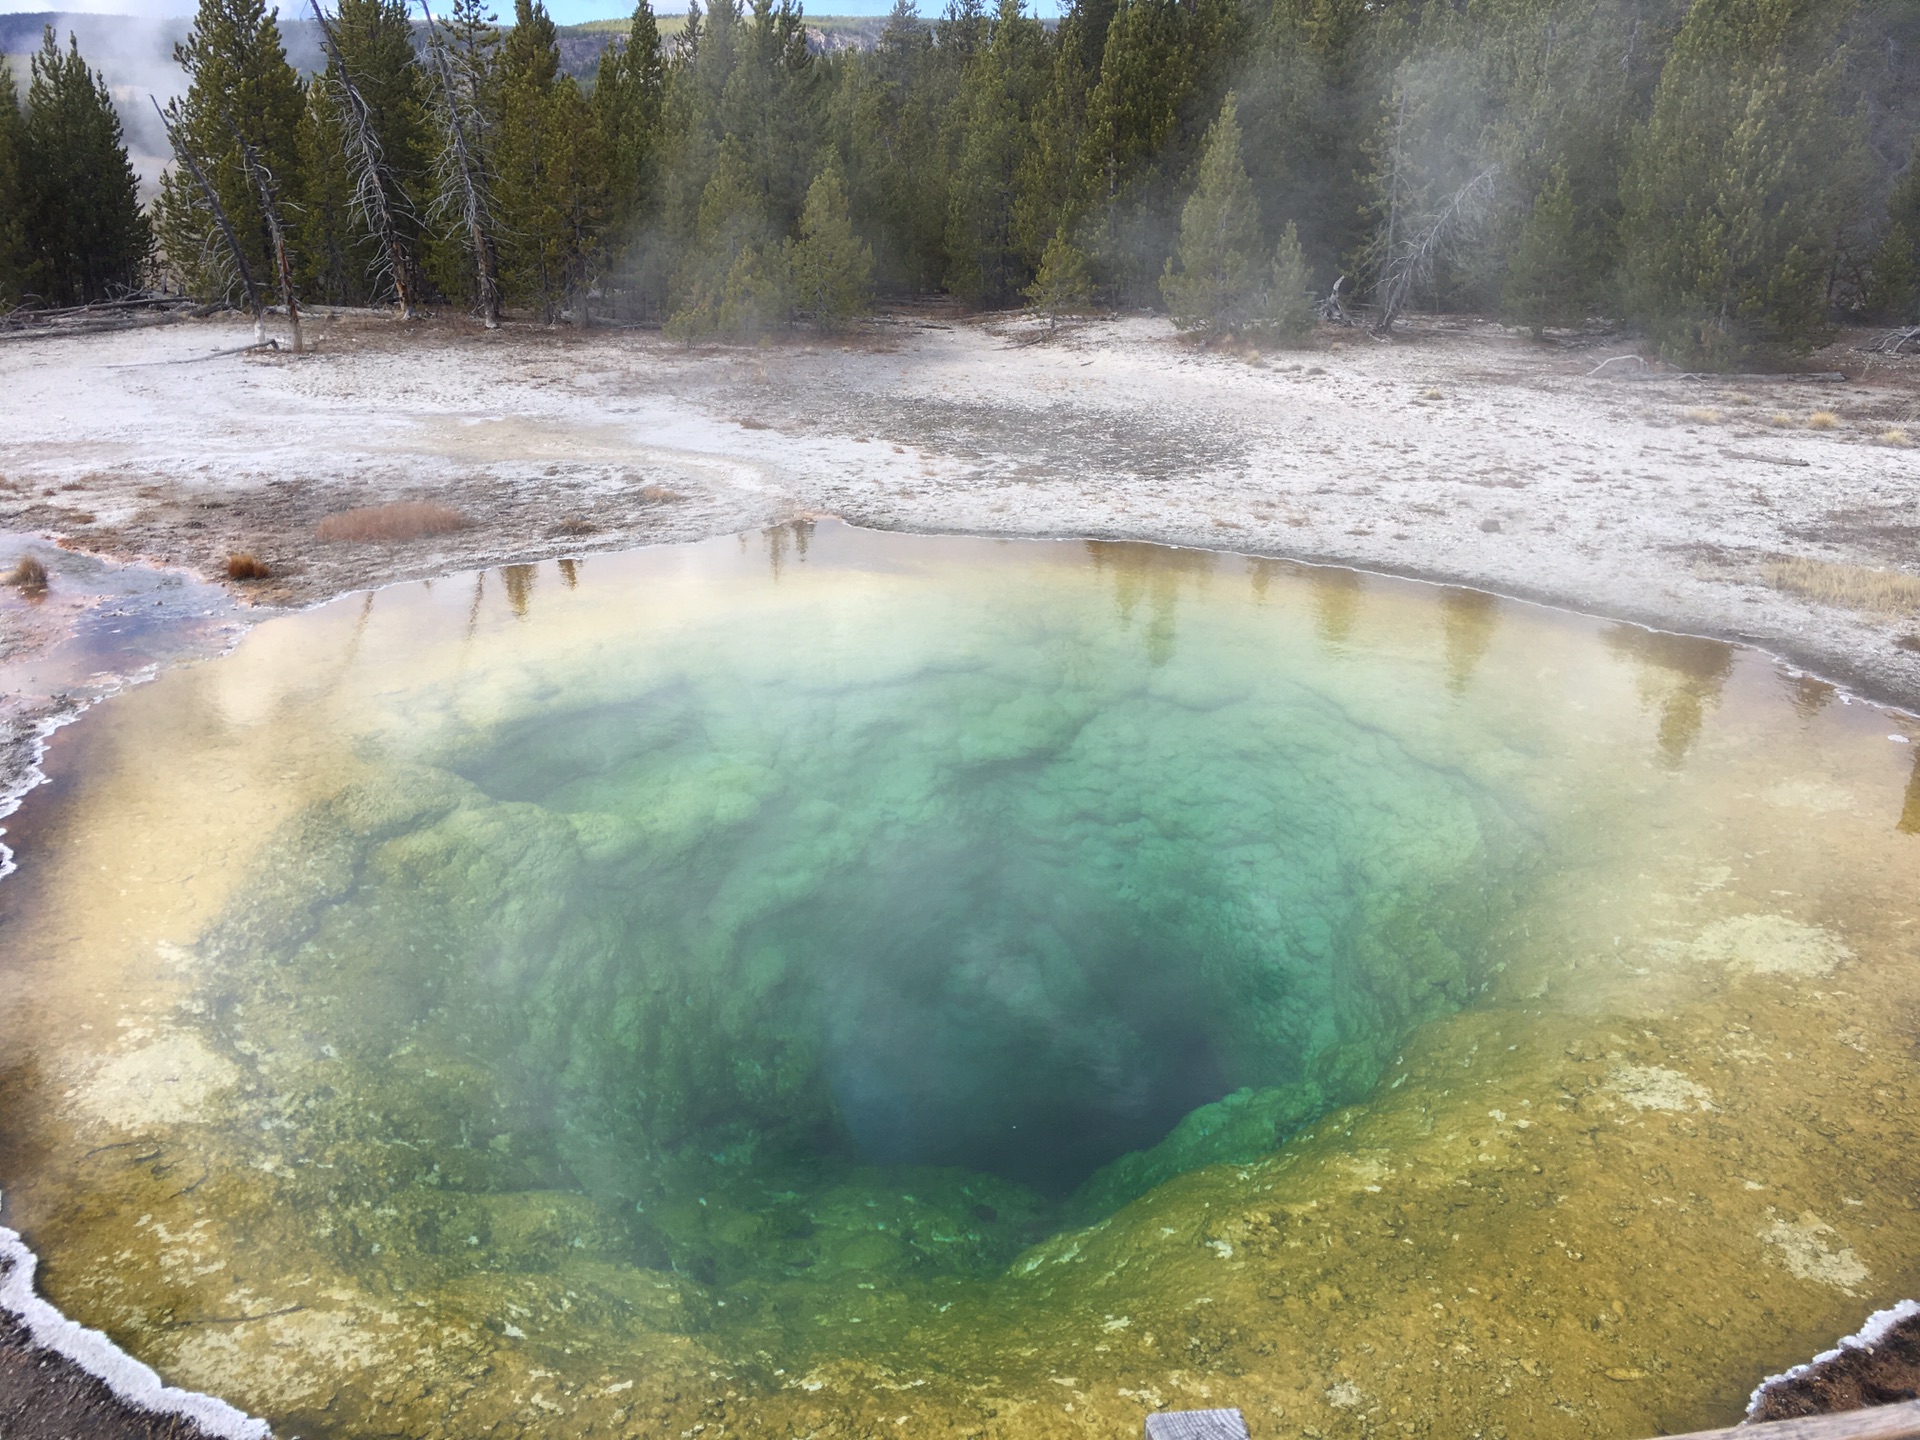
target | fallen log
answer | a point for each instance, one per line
(1804, 377)
(30, 315)
(1647, 372)
(1765, 459)
(1879, 1422)
(100, 325)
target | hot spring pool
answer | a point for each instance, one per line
(834, 983)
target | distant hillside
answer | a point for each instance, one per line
(825, 34)
(127, 46)
(138, 53)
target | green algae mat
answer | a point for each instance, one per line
(832, 984)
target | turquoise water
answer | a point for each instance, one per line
(788, 910)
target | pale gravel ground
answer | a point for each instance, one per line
(1523, 476)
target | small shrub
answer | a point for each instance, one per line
(1704, 417)
(247, 566)
(1063, 285)
(1822, 420)
(29, 576)
(1908, 642)
(1894, 436)
(1858, 587)
(575, 525)
(661, 495)
(401, 520)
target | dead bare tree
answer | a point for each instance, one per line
(1896, 342)
(374, 188)
(170, 122)
(462, 187)
(262, 179)
(1411, 258)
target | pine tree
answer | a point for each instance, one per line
(1893, 292)
(13, 238)
(831, 268)
(884, 120)
(629, 94)
(86, 236)
(375, 40)
(962, 33)
(730, 282)
(770, 105)
(1287, 315)
(993, 113)
(629, 103)
(1063, 283)
(1214, 279)
(551, 167)
(335, 254)
(1305, 117)
(1735, 182)
(462, 254)
(687, 152)
(1568, 82)
(1547, 274)
(1158, 91)
(241, 90)
(1049, 190)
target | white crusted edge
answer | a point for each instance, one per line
(1865, 1338)
(93, 1352)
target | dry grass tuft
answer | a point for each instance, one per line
(401, 520)
(1704, 417)
(1893, 436)
(575, 525)
(1885, 592)
(1431, 395)
(661, 495)
(1822, 420)
(29, 576)
(1780, 418)
(247, 566)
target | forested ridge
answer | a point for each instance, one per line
(1731, 177)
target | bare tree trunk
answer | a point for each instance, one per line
(169, 123)
(270, 208)
(374, 182)
(1389, 301)
(1412, 265)
(461, 183)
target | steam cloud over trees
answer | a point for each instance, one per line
(1730, 176)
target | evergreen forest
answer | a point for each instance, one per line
(1732, 178)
